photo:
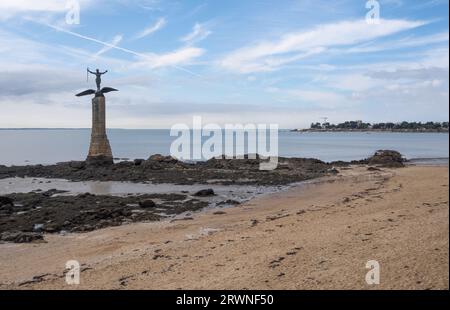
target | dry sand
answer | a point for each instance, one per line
(317, 236)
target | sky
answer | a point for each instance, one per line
(289, 62)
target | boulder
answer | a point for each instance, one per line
(5, 201)
(148, 203)
(77, 165)
(387, 158)
(205, 193)
(138, 162)
(163, 159)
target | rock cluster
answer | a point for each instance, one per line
(387, 158)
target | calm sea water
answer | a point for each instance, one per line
(19, 147)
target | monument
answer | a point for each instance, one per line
(99, 150)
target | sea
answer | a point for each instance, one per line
(49, 146)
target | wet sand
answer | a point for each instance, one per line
(318, 236)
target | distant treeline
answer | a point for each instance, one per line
(402, 126)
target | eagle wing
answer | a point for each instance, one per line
(86, 92)
(108, 89)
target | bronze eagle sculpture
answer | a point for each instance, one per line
(100, 91)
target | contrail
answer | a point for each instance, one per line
(104, 49)
(110, 45)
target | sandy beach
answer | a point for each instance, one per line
(317, 235)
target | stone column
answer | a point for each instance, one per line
(99, 151)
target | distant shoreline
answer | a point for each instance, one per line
(284, 130)
(374, 130)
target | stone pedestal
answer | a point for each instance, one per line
(99, 151)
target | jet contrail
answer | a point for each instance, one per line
(104, 49)
(113, 46)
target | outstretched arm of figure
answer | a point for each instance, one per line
(90, 71)
(103, 72)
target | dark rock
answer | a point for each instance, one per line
(77, 164)
(162, 159)
(205, 193)
(340, 163)
(147, 204)
(333, 171)
(166, 169)
(52, 192)
(373, 169)
(138, 162)
(99, 161)
(229, 202)
(387, 158)
(21, 237)
(5, 201)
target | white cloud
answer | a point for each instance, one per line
(160, 23)
(402, 43)
(254, 58)
(198, 33)
(150, 60)
(180, 56)
(353, 82)
(323, 99)
(314, 98)
(10, 8)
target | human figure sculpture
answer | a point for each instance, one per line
(98, 80)
(98, 77)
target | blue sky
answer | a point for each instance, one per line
(288, 62)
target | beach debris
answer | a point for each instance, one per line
(333, 171)
(294, 251)
(38, 227)
(229, 202)
(187, 218)
(35, 279)
(276, 217)
(219, 213)
(276, 262)
(208, 231)
(124, 280)
(373, 169)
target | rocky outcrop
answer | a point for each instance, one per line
(21, 237)
(387, 158)
(37, 213)
(166, 169)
